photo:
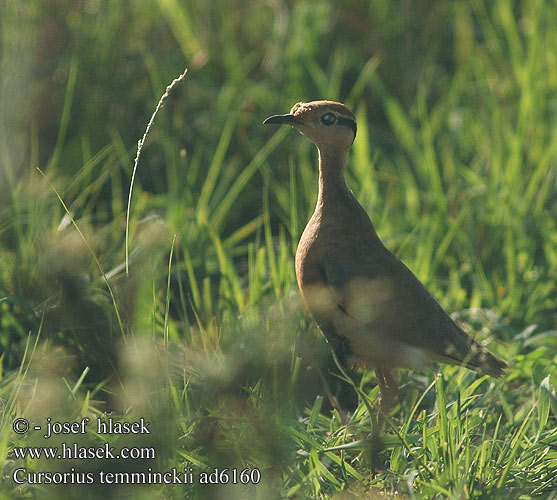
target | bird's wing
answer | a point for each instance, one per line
(376, 293)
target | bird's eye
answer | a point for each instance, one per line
(328, 119)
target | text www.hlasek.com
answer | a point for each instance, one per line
(73, 451)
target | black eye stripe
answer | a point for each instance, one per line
(348, 122)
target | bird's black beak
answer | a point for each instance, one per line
(283, 120)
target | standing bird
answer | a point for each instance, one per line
(372, 309)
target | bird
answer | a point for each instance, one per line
(373, 311)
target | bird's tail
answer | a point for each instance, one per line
(488, 363)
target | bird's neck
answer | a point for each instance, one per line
(332, 183)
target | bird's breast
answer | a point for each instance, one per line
(307, 269)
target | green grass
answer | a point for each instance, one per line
(206, 338)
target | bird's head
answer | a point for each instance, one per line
(328, 124)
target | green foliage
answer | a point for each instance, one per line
(205, 338)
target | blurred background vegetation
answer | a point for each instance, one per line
(454, 160)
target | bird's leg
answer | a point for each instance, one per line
(387, 398)
(388, 389)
